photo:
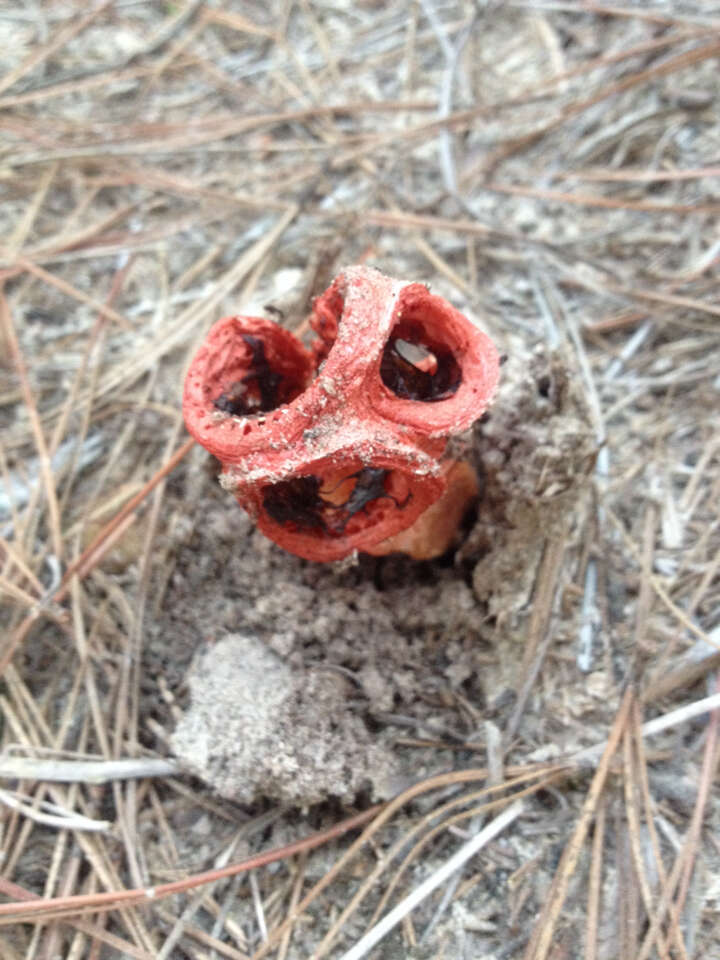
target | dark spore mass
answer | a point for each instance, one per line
(410, 382)
(296, 501)
(257, 391)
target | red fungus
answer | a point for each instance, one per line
(340, 448)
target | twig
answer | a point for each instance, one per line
(93, 553)
(607, 203)
(38, 911)
(707, 776)
(658, 725)
(541, 940)
(633, 830)
(539, 634)
(595, 883)
(436, 879)
(682, 868)
(43, 455)
(258, 905)
(67, 288)
(84, 771)
(59, 40)
(62, 819)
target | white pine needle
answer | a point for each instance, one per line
(436, 879)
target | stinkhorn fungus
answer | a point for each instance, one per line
(340, 447)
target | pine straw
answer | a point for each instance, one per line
(551, 168)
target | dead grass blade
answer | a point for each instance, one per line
(674, 890)
(71, 291)
(595, 881)
(608, 203)
(95, 551)
(38, 911)
(41, 54)
(403, 909)
(38, 435)
(544, 929)
(516, 792)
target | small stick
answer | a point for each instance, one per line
(450, 866)
(71, 291)
(84, 771)
(94, 552)
(61, 818)
(40, 910)
(59, 41)
(609, 203)
(658, 725)
(541, 940)
(40, 443)
(595, 883)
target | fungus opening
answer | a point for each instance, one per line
(339, 505)
(295, 502)
(415, 370)
(255, 378)
(258, 390)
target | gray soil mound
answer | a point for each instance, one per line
(257, 726)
